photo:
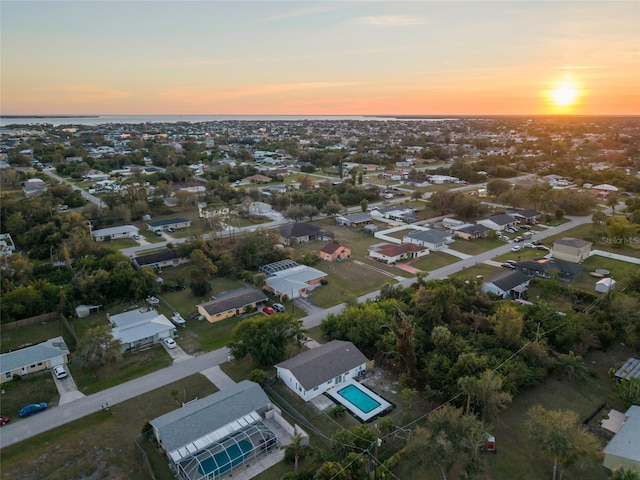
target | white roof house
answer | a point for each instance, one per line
(139, 328)
(121, 231)
(623, 450)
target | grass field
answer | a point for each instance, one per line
(100, 445)
(32, 334)
(433, 261)
(474, 247)
(33, 388)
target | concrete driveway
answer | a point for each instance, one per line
(177, 354)
(67, 388)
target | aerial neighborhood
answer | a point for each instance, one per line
(404, 298)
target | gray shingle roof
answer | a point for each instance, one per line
(52, 348)
(508, 280)
(234, 299)
(169, 221)
(430, 236)
(151, 258)
(290, 230)
(321, 364)
(196, 419)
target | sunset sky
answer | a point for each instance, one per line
(317, 58)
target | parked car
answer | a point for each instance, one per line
(171, 229)
(536, 242)
(268, 310)
(504, 238)
(153, 301)
(511, 230)
(176, 288)
(136, 237)
(516, 248)
(508, 265)
(529, 245)
(32, 408)
(170, 342)
(59, 371)
(543, 248)
(525, 227)
(158, 232)
(512, 262)
(4, 420)
(278, 307)
(517, 239)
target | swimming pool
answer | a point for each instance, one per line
(225, 460)
(359, 400)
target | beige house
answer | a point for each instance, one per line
(571, 249)
(35, 358)
(228, 304)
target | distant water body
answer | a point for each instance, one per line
(57, 120)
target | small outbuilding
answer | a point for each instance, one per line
(605, 285)
(334, 252)
(623, 450)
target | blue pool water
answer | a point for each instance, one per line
(225, 460)
(359, 398)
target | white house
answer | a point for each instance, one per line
(140, 328)
(315, 371)
(499, 222)
(432, 239)
(506, 284)
(122, 231)
(220, 435)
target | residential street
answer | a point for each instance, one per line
(59, 415)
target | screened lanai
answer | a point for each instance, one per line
(220, 458)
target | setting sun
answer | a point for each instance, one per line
(564, 94)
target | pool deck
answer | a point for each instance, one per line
(359, 414)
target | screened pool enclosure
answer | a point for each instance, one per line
(223, 457)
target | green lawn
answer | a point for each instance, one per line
(433, 261)
(482, 269)
(101, 445)
(132, 365)
(474, 247)
(33, 388)
(32, 334)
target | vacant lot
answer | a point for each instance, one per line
(99, 446)
(474, 247)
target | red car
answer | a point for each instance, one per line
(4, 420)
(268, 310)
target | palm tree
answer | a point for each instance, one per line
(296, 451)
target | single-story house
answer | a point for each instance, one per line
(287, 277)
(604, 190)
(499, 222)
(354, 220)
(623, 450)
(333, 251)
(140, 328)
(315, 371)
(432, 239)
(34, 358)
(169, 223)
(399, 214)
(259, 208)
(605, 285)
(112, 233)
(471, 231)
(391, 253)
(571, 249)
(256, 179)
(227, 304)
(510, 283)
(294, 233)
(548, 267)
(216, 436)
(524, 215)
(7, 247)
(165, 258)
